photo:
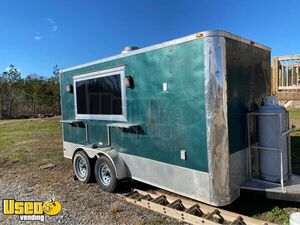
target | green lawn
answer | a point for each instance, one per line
(30, 141)
(294, 113)
(34, 143)
(256, 205)
(11, 134)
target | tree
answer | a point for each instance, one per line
(11, 74)
(34, 90)
(56, 71)
(29, 96)
(54, 89)
(10, 81)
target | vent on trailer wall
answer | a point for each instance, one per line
(129, 49)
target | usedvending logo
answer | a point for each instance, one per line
(31, 210)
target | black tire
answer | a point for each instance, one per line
(105, 174)
(82, 166)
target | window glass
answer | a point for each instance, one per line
(101, 95)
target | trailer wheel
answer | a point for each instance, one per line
(105, 174)
(82, 166)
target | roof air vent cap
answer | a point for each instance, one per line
(129, 49)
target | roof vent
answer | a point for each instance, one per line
(129, 49)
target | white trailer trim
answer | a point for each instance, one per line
(203, 34)
(184, 181)
(103, 73)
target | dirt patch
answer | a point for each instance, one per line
(295, 122)
(6, 122)
(82, 203)
(22, 178)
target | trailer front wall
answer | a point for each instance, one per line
(248, 81)
(170, 121)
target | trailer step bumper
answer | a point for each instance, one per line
(289, 192)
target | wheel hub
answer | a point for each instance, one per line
(81, 167)
(105, 174)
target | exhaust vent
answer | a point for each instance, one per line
(129, 49)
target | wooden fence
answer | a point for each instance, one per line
(286, 77)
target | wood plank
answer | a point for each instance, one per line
(274, 71)
(230, 216)
(288, 57)
(182, 216)
(206, 209)
(289, 95)
(291, 65)
(289, 88)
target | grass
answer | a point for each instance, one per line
(30, 141)
(277, 215)
(294, 113)
(37, 142)
(256, 205)
(295, 120)
(18, 155)
(296, 132)
(11, 134)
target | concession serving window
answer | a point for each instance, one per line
(100, 95)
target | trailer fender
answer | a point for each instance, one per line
(117, 161)
(114, 157)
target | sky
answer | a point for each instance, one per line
(38, 34)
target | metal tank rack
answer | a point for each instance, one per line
(288, 189)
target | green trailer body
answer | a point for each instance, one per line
(183, 127)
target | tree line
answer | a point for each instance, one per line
(23, 97)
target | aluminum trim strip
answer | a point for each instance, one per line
(97, 74)
(209, 33)
(216, 120)
(184, 181)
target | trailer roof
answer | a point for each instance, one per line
(191, 37)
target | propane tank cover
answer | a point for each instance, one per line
(270, 128)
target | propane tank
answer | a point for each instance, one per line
(270, 129)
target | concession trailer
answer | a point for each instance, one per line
(192, 115)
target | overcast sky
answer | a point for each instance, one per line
(38, 34)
